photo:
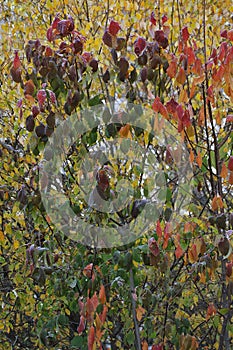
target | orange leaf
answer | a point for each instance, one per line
(181, 76)
(103, 314)
(88, 270)
(179, 252)
(144, 345)
(183, 96)
(199, 159)
(140, 311)
(95, 301)
(218, 118)
(1, 236)
(224, 171)
(29, 87)
(172, 69)
(192, 254)
(191, 156)
(193, 90)
(125, 131)
(91, 338)
(102, 295)
(211, 311)
(217, 203)
(201, 116)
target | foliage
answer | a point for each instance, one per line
(172, 288)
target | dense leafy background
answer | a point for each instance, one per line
(177, 290)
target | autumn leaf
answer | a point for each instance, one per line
(139, 46)
(199, 159)
(185, 34)
(217, 203)
(140, 311)
(224, 171)
(153, 246)
(181, 76)
(114, 28)
(81, 325)
(230, 163)
(102, 295)
(91, 338)
(125, 131)
(211, 311)
(152, 18)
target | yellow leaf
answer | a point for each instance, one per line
(67, 311)
(1, 236)
(16, 244)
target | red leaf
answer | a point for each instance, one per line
(185, 34)
(224, 33)
(157, 106)
(81, 326)
(65, 27)
(230, 35)
(86, 57)
(164, 19)
(91, 338)
(172, 106)
(35, 111)
(157, 347)
(152, 18)
(41, 96)
(48, 51)
(114, 27)
(229, 118)
(180, 112)
(16, 62)
(139, 46)
(153, 246)
(52, 97)
(222, 51)
(107, 38)
(159, 230)
(179, 252)
(161, 38)
(186, 119)
(190, 55)
(55, 22)
(230, 163)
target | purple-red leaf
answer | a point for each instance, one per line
(114, 27)
(152, 18)
(153, 246)
(107, 38)
(139, 46)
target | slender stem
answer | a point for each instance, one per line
(136, 327)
